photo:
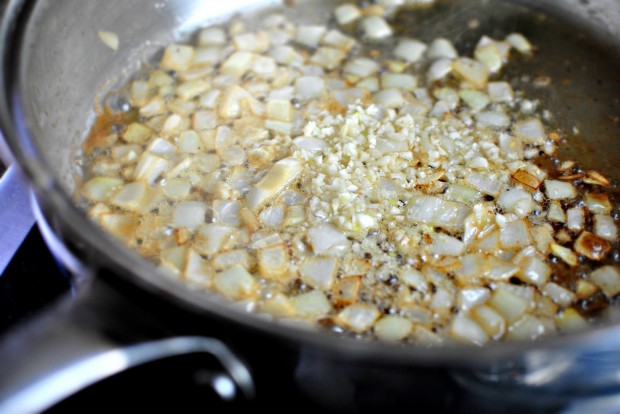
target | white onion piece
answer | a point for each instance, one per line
(434, 211)
(598, 203)
(559, 190)
(211, 237)
(150, 167)
(287, 55)
(338, 40)
(515, 235)
(499, 269)
(440, 69)
(472, 71)
(472, 297)
(137, 197)
(177, 57)
(555, 212)
(309, 87)
(575, 219)
(389, 98)
(528, 327)
(511, 147)
(212, 36)
(399, 81)
(476, 100)
(410, 50)
(176, 188)
(570, 320)
(466, 329)
(326, 239)
(500, 92)
(446, 245)
(272, 216)
(415, 279)
(393, 328)
(531, 131)
(535, 271)
(605, 227)
(189, 214)
(375, 27)
(490, 320)
(327, 57)
(493, 119)
(607, 278)
(226, 212)
(362, 67)
(310, 144)
(473, 266)
(442, 301)
(256, 42)
(236, 283)
(277, 179)
(485, 182)
(510, 305)
(227, 259)
(516, 200)
(197, 270)
(558, 294)
(237, 64)
(319, 272)
(441, 48)
(358, 317)
(280, 305)
(461, 194)
(439, 110)
(490, 55)
(310, 35)
(101, 188)
(519, 42)
(109, 39)
(347, 13)
(385, 146)
(564, 253)
(311, 305)
(208, 56)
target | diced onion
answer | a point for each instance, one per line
(347, 13)
(393, 328)
(559, 190)
(376, 27)
(110, 39)
(410, 50)
(608, 279)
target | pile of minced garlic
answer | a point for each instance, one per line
(378, 185)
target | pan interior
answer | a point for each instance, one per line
(65, 70)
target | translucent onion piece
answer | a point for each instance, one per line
(358, 317)
(466, 329)
(326, 239)
(236, 283)
(347, 13)
(311, 305)
(559, 190)
(375, 27)
(393, 328)
(319, 272)
(607, 278)
(410, 50)
(437, 212)
(110, 39)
